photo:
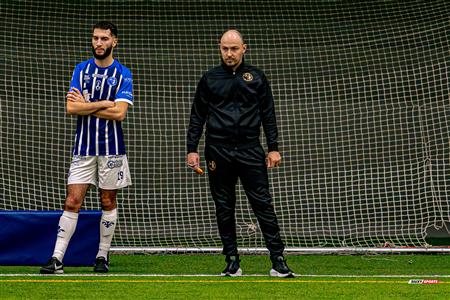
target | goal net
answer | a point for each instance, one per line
(362, 102)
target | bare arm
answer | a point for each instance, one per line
(77, 105)
(117, 112)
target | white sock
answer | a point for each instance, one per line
(107, 227)
(66, 228)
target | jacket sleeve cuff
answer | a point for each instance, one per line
(272, 147)
(191, 148)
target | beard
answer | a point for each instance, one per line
(229, 64)
(102, 56)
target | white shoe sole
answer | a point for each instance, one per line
(238, 273)
(54, 272)
(275, 273)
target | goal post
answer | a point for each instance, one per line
(362, 100)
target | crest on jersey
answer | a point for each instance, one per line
(112, 81)
(247, 76)
(212, 165)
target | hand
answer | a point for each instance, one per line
(273, 159)
(193, 160)
(107, 103)
(74, 95)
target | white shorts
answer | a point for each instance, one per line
(107, 172)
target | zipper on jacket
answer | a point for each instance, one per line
(236, 108)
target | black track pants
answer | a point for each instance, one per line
(225, 166)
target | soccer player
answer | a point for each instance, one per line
(234, 100)
(100, 92)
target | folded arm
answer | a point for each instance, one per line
(105, 109)
(117, 112)
(77, 105)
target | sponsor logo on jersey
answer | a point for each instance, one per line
(128, 94)
(96, 75)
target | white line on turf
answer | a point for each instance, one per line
(216, 275)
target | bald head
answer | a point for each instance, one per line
(232, 48)
(232, 35)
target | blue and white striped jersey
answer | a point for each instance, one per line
(96, 136)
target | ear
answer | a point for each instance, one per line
(244, 46)
(115, 42)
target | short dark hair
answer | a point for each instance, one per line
(105, 25)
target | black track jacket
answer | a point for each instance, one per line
(233, 104)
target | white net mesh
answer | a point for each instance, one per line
(362, 100)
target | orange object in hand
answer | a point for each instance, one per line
(199, 171)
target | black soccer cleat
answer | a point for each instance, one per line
(101, 265)
(53, 266)
(232, 269)
(280, 268)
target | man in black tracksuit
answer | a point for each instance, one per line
(234, 99)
